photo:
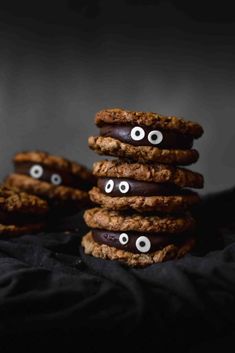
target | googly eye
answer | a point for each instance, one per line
(155, 137)
(36, 171)
(56, 179)
(143, 244)
(109, 186)
(137, 133)
(124, 187)
(123, 238)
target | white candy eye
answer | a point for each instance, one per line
(36, 171)
(123, 238)
(109, 186)
(56, 179)
(124, 187)
(143, 244)
(137, 133)
(155, 137)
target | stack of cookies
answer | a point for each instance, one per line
(144, 195)
(64, 184)
(21, 213)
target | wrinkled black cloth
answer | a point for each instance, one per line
(54, 296)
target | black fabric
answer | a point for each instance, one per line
(54, 296)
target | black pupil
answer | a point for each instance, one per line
(123, 187)
(142, 244)
(109, 186)
(137, 133)
(124, 239)
(37, 171)
(154, 137)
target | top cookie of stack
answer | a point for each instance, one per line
(146, 137)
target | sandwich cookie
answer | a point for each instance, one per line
(21, 213)
(63, 183)
(138, 240)
(146, 137)
(173, 250)
(144, 187)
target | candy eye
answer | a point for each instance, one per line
(137, 133)
(123, 238)
(56, 179)
(124, 187)
(109, 186)
(155, 137)
(36, 171)
(143, 244)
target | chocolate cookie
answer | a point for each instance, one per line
(164, 252)
(63, 183)
(155, 172)
(20, 212)
(146, 137)
(101, 218)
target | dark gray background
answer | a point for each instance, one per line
(61, 62)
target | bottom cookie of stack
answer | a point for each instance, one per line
(138, 240)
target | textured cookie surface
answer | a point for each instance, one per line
(159, 173)
(113, 147)
(145, 204)
(120, 116)
(44, 189)
(102, 218)
(16, 202)
(56, 162)
(14, 230)
(104, 251)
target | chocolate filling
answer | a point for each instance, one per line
(67, 179)
(135, 242)
(120, 187)
(170, 139)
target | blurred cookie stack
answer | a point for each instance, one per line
(21, 213)
(144, 195)
(64, 184)
(43, 190)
